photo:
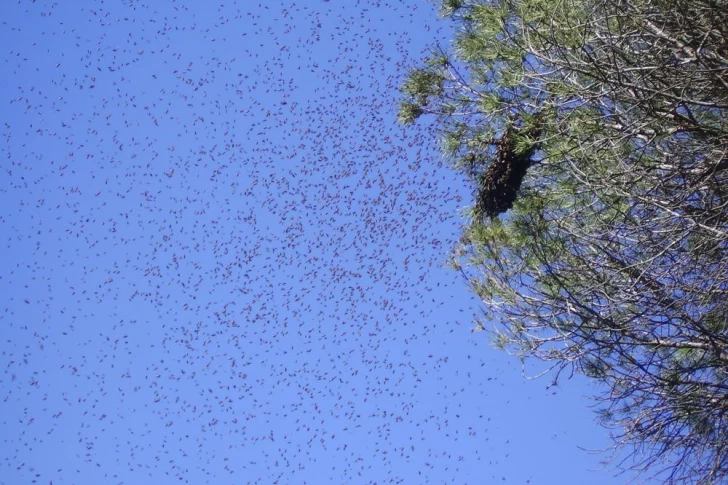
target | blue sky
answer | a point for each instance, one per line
(223, 260)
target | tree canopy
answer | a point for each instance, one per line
(595, 136)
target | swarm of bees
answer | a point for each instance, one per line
(499, 183)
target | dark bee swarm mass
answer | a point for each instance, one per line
(499, 183)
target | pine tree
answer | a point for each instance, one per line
(595, 134)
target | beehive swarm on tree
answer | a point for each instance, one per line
(499, 183)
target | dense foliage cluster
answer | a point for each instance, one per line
(598, 131)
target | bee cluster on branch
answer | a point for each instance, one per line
(499, 183)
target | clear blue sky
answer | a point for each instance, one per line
(222, 259)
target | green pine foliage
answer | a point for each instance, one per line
(595, 137)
